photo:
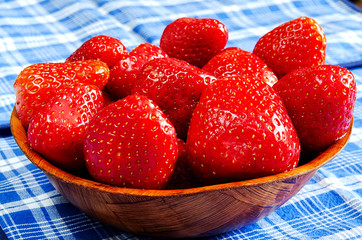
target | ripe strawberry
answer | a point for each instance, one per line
(295, 44)
(57, 131)
(131, 143)
(37, 83)
(175, 86)
(234, 61)
(194, 40)
(240, 130)
(124, 73)
(104, 48)
(320, 101)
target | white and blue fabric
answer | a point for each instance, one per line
(34, 31)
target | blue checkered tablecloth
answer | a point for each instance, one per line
(32, 31)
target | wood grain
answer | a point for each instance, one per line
(195, 212)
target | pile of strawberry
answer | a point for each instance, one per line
(190, 111)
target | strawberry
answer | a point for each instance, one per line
(175, 86)
(124, 73)
(131, 143)
(292, 45)
(194, 40)
(240, 130)
(57, 131)
(101, 47)
(37, 83)
(235, 61)
(320, 101)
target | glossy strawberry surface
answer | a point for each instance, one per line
(240, 130)
(234, 61)
(194, 40)
(320, 101)
(105, 48)
(37, 83)
(131, 143)
(57, 131)
(175, 86)
(123, 75)
(292, 45)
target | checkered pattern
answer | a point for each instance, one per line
(328, 207)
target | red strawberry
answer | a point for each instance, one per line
(57, 132)
(194, 40)
(295, 44)
(37, 83)
(240, 130)
(320, 101)
(175, 86)
(124, 73)
(234, 61)
(104, 48)
(131, 143)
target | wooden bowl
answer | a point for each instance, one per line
(194, 212)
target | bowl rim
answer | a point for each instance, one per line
(20, 136)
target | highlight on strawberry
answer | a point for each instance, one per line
(105, 48)
(57, 130)
(320, 101)
(234, 61)
(131, 143)
(194, 40)
(123, 75)
(36, 84)
(175, 86)
(190, 111)
(240, 130)
(295, 44)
